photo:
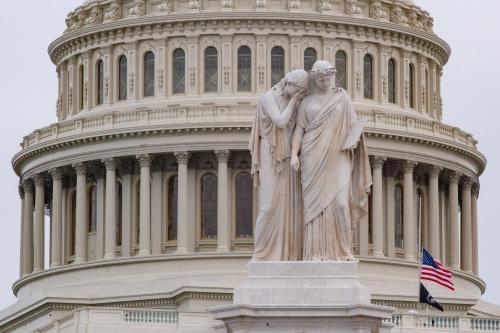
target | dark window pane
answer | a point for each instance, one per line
(341, 67)
(122, 78)
(179, 71)
(211, 69)
(149, 74)
(412, 86)
(209, 206)
(172, 208)
(244, 69)
(100, 82)
(368, 76)
(277, 64)
(244, 205)
(80, 87)
(92, 209)
(310, 57)
(118, 214)
(392, 81)
(398, 216)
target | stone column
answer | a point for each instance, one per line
(453, 214)
(145, 205)
(110, 210)
(56, 230)
(182, 201)
(377, 206)
(475, 195)
(391, 209)
(81, 229)
(434, 224)
(22, 227)
(223, 225)
(444, 231)
(409, 234)
(126, 177)
(39, 224)
(156, 206)
(28, 227)
(100, 174)
(466, 228)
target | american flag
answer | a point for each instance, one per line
(433, 271)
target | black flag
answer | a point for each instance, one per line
(425, 297)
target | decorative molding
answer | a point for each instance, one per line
(81, 169)
(56, 173)
(409, 166)
(434, 171)
(144, 160)
(110, 164)
(377, 162)
(182, 157)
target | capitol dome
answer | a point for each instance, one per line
(146, 174)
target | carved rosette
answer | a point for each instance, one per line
(144, 160)
(182, 157)
(434, 171)
(351, 8)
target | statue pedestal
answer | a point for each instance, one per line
(305, 297)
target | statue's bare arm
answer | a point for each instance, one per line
(281, 119)
(298, 133)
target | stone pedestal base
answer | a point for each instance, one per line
(305, 297)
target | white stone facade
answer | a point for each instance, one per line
(173, 238)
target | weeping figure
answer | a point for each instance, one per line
(279, 225)
(335, 170)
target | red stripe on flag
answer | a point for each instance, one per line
(438, 282)
(443, 268)
(438, 271)
(437, 277)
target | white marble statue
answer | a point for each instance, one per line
(278, 234)
(329, 148)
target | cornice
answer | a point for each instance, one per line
(268, 22)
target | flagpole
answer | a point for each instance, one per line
(419, 256)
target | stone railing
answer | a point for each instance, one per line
(438, 323)
(114, 320)
(179, 117)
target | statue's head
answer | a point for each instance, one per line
(293, 82)
(322, 73)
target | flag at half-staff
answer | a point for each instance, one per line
(433, 271)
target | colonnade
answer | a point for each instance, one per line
(437, 209)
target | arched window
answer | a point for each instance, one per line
(119, 219)
(209, 206)
(341, 67)
(244, 205)
(149, 74)
(277, 64)
(411, 93)
(122, 78)
(211, 69)
(100, 82)
(172, 208)
(310, 57)
(80, 87)
(398, 216)
(244, 68)
(92, 209)
(368, 76)
(179, 71)
(391, 84)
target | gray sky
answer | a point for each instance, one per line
(28, 92)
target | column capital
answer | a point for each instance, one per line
(434, 171)
(28, 185)
(39, 180)
(182, 157)
(144, 160)
(81, 168)
(454, 176)
(467, 183)
(377, 162)
(110, 164)
(21, 190)
(475, 189)
(222, 155)
(409, 166)
(56, 173)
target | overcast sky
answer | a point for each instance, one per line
(28, 92)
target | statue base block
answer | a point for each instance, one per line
(305, 297)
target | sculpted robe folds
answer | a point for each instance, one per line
(335, 183)
(278, 232)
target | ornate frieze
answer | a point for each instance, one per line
(95, 16)
(227, 4)
(165, 7)
(398, 16)
(195, 5)
(324, 6)
(293, 4)
(113, 13)
(138, 8)
(351, 8)
(260, 3)
(375, 11)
